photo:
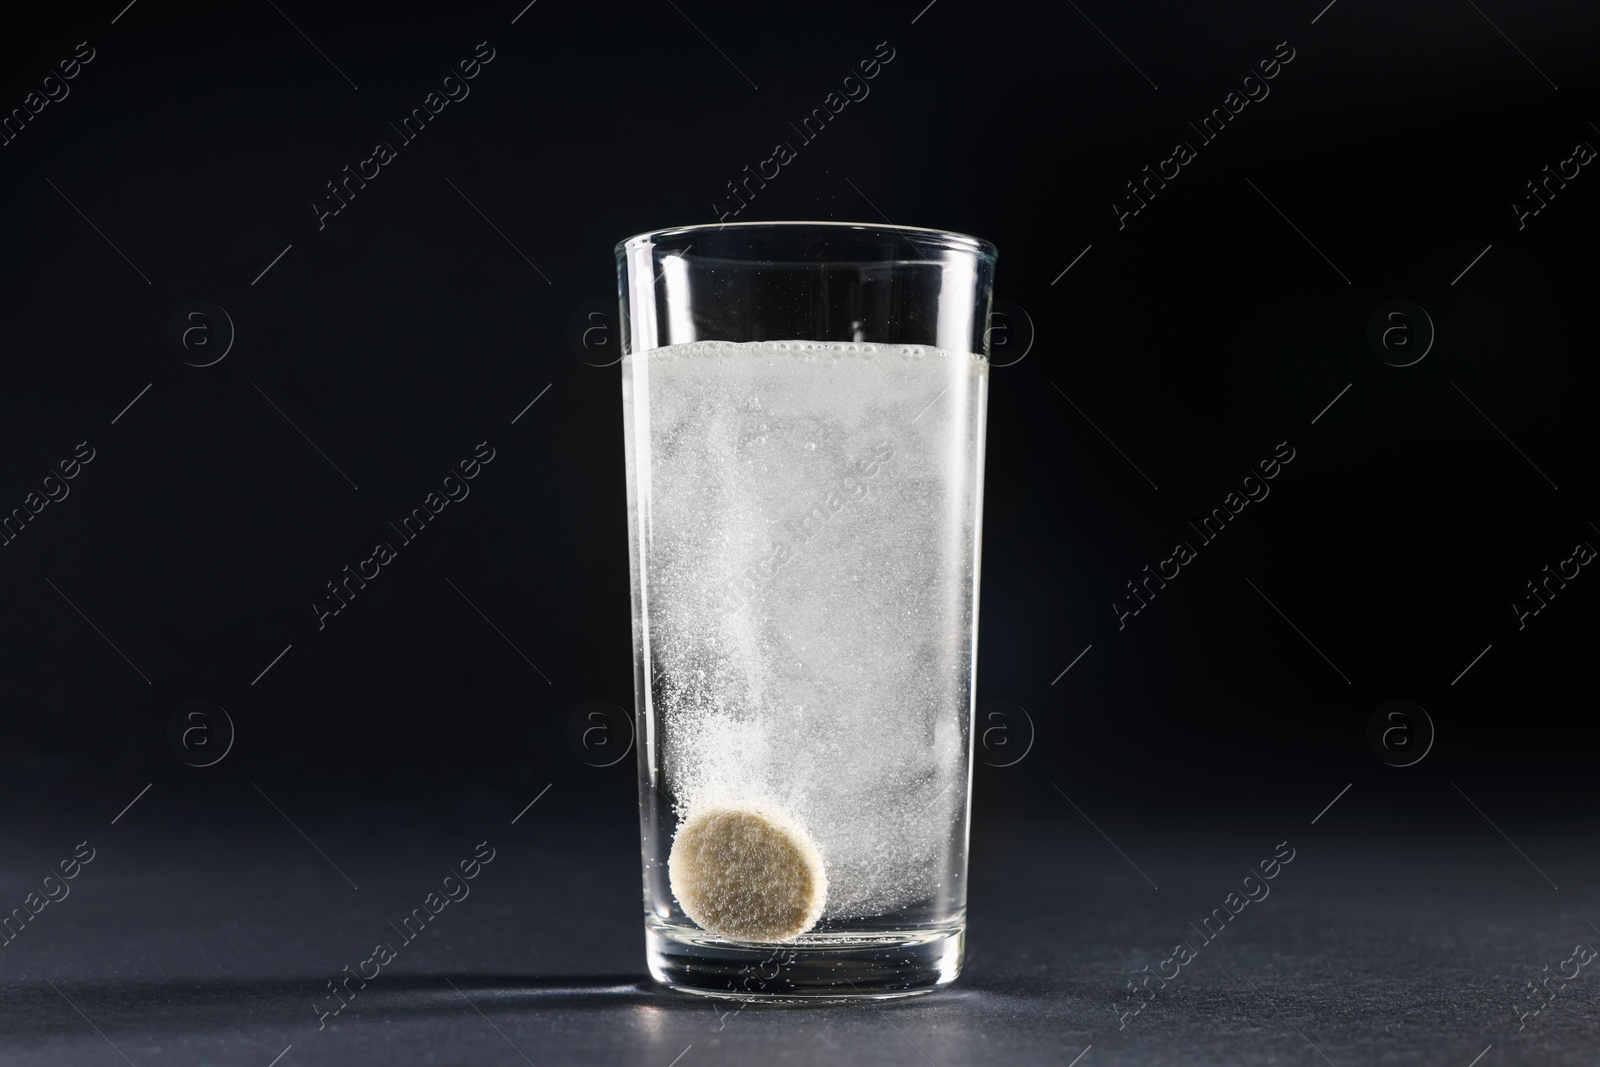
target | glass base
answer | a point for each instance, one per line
(810, 969)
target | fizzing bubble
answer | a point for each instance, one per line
(807, 516)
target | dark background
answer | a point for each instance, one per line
(407, 330)
(445, 297)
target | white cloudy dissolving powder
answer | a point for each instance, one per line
(806, 537)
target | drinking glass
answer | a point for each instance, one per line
(803, 414)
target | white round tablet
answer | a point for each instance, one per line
(747, 873)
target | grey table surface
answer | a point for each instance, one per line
(214, 944)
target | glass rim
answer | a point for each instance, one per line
(951, 239)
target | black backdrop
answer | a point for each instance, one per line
(1162, 355)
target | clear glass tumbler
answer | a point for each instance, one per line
(804, 409)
